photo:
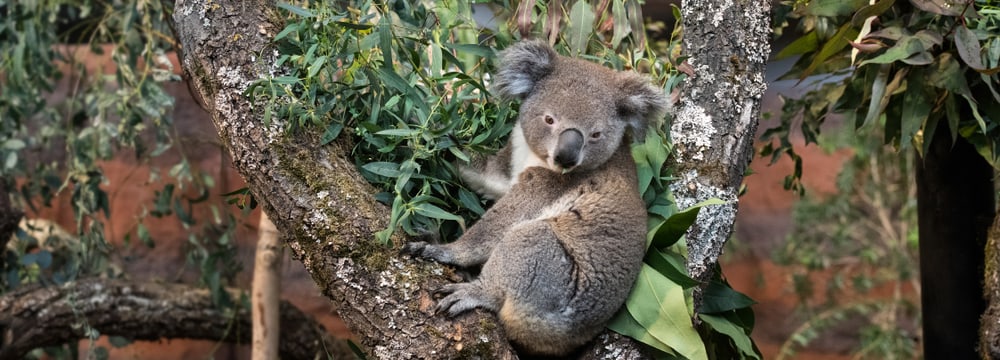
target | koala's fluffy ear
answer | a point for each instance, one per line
(639, 103)
(522, 66)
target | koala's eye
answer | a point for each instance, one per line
(549, 120)
(595, 135)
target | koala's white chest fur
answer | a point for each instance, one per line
(521, 155)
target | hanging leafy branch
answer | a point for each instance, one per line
(904, 66)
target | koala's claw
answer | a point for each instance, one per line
(415, 248)
(460, 298)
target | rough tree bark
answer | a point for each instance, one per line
(33, 317)
(326, 211)
(716, 119)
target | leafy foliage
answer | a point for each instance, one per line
(863, 241)
(62, 120)
(923, 62)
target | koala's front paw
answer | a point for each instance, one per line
(460, 298)
(415, 248)
(426, 251)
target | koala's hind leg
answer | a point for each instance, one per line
(538, 278)
(462, 297)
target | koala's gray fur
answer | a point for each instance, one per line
(564, 243)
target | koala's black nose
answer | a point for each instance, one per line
(568, 148)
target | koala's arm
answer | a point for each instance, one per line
(524, 201)
(489, 176)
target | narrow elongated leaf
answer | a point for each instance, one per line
(804, 44)
(875, 9)
(296, 10)
(840, 40)
(671, 268)
(398, 132)
(433, 211)
(831, 8)
(903, 49)
(581, 26)
(620, 19)
(383, 168)
(677, 225)
(740, 338)
(658, 305)
(635, 21)
(475, 49)
(916, 107)
(877, 93)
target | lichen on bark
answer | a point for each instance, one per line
(716, 118)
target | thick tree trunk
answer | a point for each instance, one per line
(34, 316)
(955, 206)
(716, 119)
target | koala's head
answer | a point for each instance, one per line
(575, 114)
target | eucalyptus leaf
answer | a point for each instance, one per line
(581, 26)
(719, 297)
(739, 337)
(677, 225)
(658, 305)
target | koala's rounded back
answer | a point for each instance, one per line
(574, 113)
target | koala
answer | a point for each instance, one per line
(561, 247)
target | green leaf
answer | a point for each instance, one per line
(296, 10)
(669, 266)
(432, 211)
(620, 19)
(398, 132)
(658, 305)
(623, 323)
(331, 133)
(316, 66)
(385, 43)
(831, 8)
(804, 44)
(903, 49)
(740, 337)
(677, 225)
(875, 9)
(836, 43)
(879, 98)
(916, 107)
(383, 168)
(475, 49)
(285, 80)
(719, 297)
(581, 26)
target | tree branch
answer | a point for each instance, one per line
(36, 316)
(318, 200)
(323, 207)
